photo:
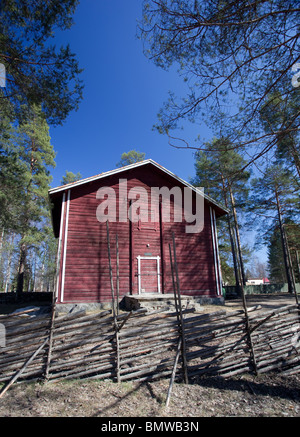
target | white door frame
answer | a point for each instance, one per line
(139, 258)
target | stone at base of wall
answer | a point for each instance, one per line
(67, 308)
(166, 302)
(132, 302)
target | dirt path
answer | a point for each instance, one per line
(262, 396)
(267, 302)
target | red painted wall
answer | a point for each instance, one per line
(86, 264)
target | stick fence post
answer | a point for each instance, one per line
(182, 331)
(248, 328)
(113, 304)
(118, 273)
(50, 338)
(19, 373)
(173, 372)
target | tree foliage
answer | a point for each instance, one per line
(275, 201)
(233, 56)
(276, 256)
(26, 157)
(11, 170)
(219, 171)
(36, 71)
(130, 158)
(276, 115)
(279, 181)
(42, 86)
(70, 177)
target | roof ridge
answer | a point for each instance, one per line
(102, 174)
(128, 167)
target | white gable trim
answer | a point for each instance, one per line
(129, 167)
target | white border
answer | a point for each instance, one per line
(65, 249)
(214, 250)
(218, 255)
(58, 259)
(128, 167)
(139, 258)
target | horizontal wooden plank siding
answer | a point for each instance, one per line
(194, 259)
(85, 274)
(87, 268)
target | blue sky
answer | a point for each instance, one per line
(122, 96)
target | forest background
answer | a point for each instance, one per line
(240, 64)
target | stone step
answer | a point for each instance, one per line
(158, 301)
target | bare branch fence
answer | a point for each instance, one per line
(142, 345)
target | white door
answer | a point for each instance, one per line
(148, 274)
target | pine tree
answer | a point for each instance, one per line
(276, 255)
(70, 177)
(232, 55)
(276, 199)
(37, 72)
(219, 171)
(278, 118)
(11, 170)
(130, 158)
(37, 155)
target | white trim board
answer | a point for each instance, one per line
(65, 249)
(129, 167)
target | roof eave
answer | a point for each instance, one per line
(129, 167)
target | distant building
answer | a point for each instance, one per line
(257, 281)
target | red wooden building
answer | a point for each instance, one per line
(130, 199)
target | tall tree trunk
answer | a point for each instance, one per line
(1, 243)
(21, 269)
(296, 157)
(233, 248)
(285, 249)
(9, 262)
(237, 232)
(298, 265)
(1, 267)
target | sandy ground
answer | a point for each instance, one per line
(243, 396)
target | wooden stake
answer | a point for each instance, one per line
(118, 274)
(180, 313)
(113, 304)
(174, 284)
(50, 338)
(19, 373)
(173, 372)
(248, 329)
(110, 270)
